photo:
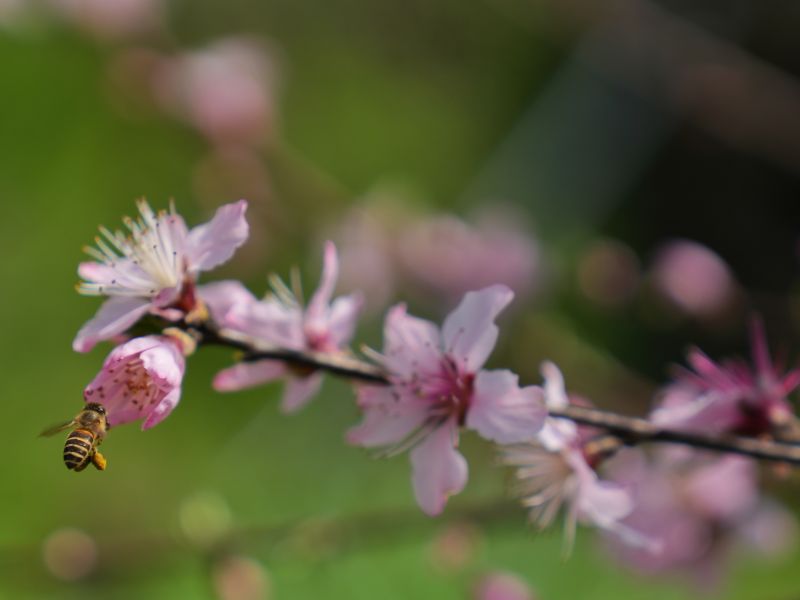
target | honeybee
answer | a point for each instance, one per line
(88, 430)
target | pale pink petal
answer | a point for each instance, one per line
(222, 296)
(439, 470)
(247, 375)
(684, 408)
(114, 317)
(269, 321)
(299, 390)
(504, 413)
(343, 318)
(604, 503)
(386, 420)
(411, 345)
(318, 305)
(166, 296)
(162, 410)
(97, 272)
(469, 331)
(164, 363)
(556, 433)
(213, 243)
(555, 390)
(725, 488)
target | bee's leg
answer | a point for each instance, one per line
(99, 461)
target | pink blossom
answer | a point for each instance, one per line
(698, 507)
(225, 91)
(730, 396)
(281, 320)
(140, 379)
(554, 471)
(448, 257)
(694, 277)
(438, 256)
(153, 268)
(437, 386)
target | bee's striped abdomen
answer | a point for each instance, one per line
(79, 449)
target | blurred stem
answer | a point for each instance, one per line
(630, 430)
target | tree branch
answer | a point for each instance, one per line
(630, 430)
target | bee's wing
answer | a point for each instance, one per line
(56, 428)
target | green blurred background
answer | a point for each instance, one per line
(640, 123)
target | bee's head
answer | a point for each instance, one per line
(95, 407)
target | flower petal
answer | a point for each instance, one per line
(555, 391)
(162, 410)
(344, 318)
(213, 243)
(270, 321)
(469, 331)
(386, 421)
(410, 344)
(439, 470)
(164, 363)
(299, 390)
(503, 412)
(604, 503)
(114, 317)
(556, 433)
(222, 296)
(247, 375)
(318, 305)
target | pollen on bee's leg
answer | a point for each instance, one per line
(99, 461)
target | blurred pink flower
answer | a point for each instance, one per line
(448, 257)
(140, 379)
(438, 257)
(730, 396)
(697, 506)
(226, 91)
(281, 320)
(500, 585)
(437, 386)
(554, 471)
(694, 277)
(154, 267)
(111, 18)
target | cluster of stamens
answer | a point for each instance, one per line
(131, 381)
(146, 260)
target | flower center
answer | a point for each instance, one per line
(450, 392)
(145, 261)
(127, 384)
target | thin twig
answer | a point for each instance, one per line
(630, 430)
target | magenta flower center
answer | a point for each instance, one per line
(449, 392)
